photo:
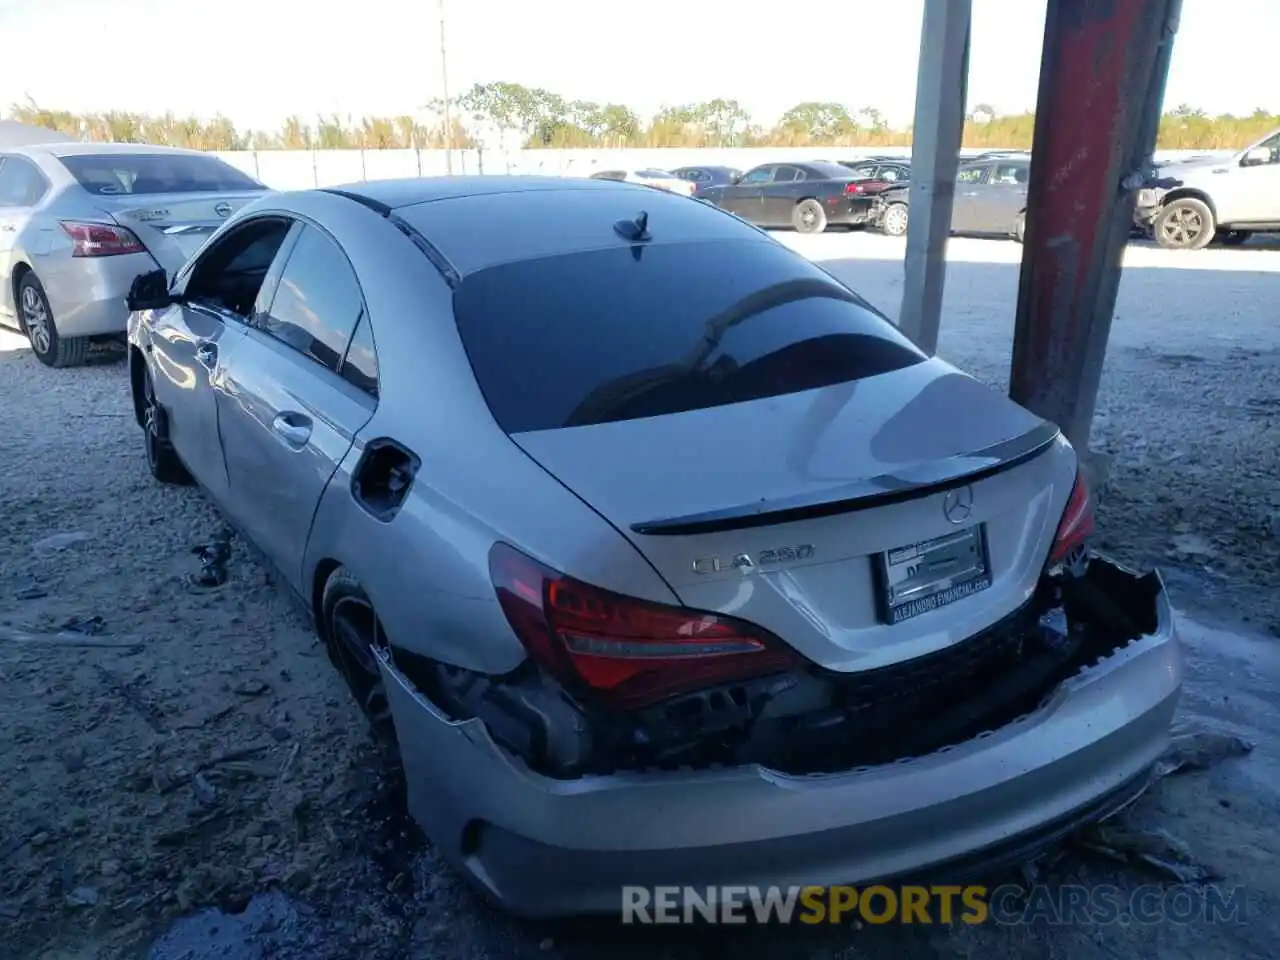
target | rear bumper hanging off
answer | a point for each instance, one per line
(543, 846)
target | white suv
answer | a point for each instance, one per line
(1229, 198)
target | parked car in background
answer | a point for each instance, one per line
(703, 177)
(659, 554)
(878, 174)
(991, 199)
(1208, 198)
(808, 197)
(649, 177)
(78, 221)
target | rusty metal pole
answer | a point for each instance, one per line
(1102, 80)
(941, 83)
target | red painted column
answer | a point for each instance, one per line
(1102, 80)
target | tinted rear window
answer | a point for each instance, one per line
(834, 171)
(608, 335)
(139, 173)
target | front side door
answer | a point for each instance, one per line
(1005, 197)
(746, 197)
(970, 186)
(289, 406)
(1253, 186)
(192, 342)
(778, 197)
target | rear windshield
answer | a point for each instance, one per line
(608, 335)
(834, 171)
(107, 174)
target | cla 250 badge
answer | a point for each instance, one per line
(745, 563)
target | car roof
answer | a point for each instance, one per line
(480, 221)
(394, 194)
(78, 149)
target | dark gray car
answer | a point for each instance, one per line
(703, 177)
(991, 199)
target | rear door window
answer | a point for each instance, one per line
(607, 335)
(1010, 173)
(21, 184)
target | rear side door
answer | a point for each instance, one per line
(1006, 197)
(21, 187)
(191, 342)
(971, 183)
(294, 397)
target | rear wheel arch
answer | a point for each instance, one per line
(20, 270)
(324, 570)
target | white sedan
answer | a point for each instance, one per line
(660, 179)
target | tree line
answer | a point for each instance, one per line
(534, 118)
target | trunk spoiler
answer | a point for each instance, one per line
(910, 483)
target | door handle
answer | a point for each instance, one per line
(207, 354)
(293, 428)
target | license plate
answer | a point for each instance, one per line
(920, 577)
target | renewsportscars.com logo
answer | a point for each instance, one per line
(1069, 904)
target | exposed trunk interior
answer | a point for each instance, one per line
(814, 721)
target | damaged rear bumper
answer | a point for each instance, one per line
(543, 846)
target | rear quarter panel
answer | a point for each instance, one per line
(426, 570)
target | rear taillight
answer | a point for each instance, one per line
(621, 651)
(1076, 525)
(100, 239)
(853, 188)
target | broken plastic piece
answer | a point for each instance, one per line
(213, 561)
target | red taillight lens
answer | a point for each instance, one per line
(1076, 525)
(853, 188)
(624, 652)
(100, 239)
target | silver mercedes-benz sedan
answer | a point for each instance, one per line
(78, 221)
(663, 557)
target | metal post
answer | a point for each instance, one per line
(935, 151)
(1102, 79)
(444, 82)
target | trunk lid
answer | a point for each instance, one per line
(172, 226)
(814, 487)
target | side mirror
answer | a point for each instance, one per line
(1256, 157)
(736, 179)
(149, 291)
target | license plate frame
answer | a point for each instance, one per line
(963, 566)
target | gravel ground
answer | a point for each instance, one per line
(174, 749)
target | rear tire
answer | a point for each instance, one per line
(36, 319)
(809, 217)
(893, 221)
(162, 459)
(351, 631)
(1185, 224)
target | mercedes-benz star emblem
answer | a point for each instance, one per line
(958, 504)
(223, 209)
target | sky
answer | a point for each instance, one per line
(259, 61)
